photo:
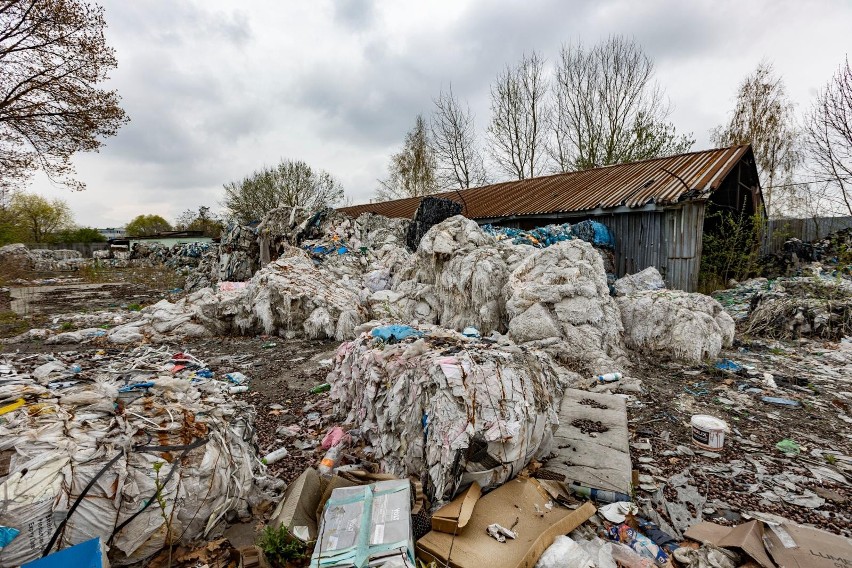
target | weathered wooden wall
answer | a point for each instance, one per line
(804, 229)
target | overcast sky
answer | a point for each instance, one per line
(216, 89)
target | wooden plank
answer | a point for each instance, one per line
(602, 460)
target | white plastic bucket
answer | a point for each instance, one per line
(708, 432)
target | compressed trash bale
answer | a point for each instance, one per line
(563, 288)
(648, 279)
(430, 212)
(446, 408)
(681, 325)
(457, 272)
(65, 438)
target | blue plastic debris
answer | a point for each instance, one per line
(728, 365)
(88, 554)
(204, 373)
(593, 232)
(134, 386)
(781, 401)
(237, 378)
(395, 332)
(7, 535)
(470, 332)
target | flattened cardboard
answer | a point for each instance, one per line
(298, 506)
(516, 499)
(453, 516)
(814, 548)
(747, 537)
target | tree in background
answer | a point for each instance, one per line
(290, 183)
(520, 118)
(146, 225)
(78, 235)
(412, 170)
(53, 55)
(459, 161)
(201, 220)
(608, 108)
(829, 137)
(37, 217)
(763, 116)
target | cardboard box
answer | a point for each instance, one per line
(787, 545)
(297, 509)
(366, 526)
(514, 500)
(454, 515)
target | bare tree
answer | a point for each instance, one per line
(411, 172)
(459, 161)
(53, 55)
(290, 183)
(829, 135)
(763, 116)
(608, 109)
(520, 118)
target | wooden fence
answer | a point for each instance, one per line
(805, 229)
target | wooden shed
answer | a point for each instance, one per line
(657, 210)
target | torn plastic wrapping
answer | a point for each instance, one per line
(90, 440)
(447, 408)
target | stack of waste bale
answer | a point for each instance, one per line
(130, 452)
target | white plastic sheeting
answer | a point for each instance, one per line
(448, 408)
(648, 279)
(64, 435)
(681, 325)
(19, 257)
(558, 298)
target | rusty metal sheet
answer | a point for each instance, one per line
(660, 181)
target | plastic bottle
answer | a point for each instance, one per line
(610, 377)
(329, 461)
(273, 457)
(628, 557)
(235, 390)
(320, 388)
(600, 494)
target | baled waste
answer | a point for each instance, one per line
(19, 257)
(448, 408)
(116, 451)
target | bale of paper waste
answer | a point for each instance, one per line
(108, 453)
(558, 298)
(681, 325)
(447, 408)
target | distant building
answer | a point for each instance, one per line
(113, 233)
(168, 238)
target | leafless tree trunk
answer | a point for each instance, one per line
(763, 116)
(608, 109)
(829, 134)
(459, 161)
(520, 117)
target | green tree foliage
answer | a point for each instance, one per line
(37, 217)
(201, 220)
(412, 170)
(146, 225)
(609, 109)
(78, 235)
(763, 117)
(730, 248)
(290, 183)
(53, 56)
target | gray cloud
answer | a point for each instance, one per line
(215, 92)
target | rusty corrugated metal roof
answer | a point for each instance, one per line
(660, 180)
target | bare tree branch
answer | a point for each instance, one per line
(520, 118)
(459, 161)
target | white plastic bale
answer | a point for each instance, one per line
(77, 431)
(563, 287)
(487, 409)
(681, 325)
(648, 279)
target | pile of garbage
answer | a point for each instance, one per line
(143, 448)
(18, 257)
(453, 409)
(590, 231)
(832, 252)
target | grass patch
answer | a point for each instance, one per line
(11, 324)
